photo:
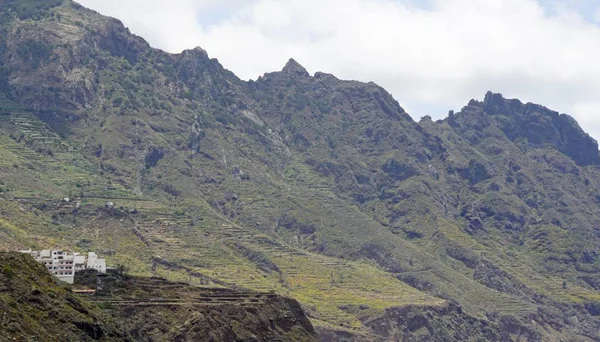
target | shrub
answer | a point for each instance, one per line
(30, 9)
(35, 51)
(8, 272)
(105, 306)
(4, 84)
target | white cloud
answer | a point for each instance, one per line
(428, 59)
(596, 16)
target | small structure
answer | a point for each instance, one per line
(64, 265)
(88, 292)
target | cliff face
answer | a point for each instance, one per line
(154, 309)
(321, 189)
(277, 319)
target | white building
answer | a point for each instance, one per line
(63, 265)
(94, 263)
(79, 262)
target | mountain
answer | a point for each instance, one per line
(481, 226)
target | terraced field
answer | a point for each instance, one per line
(205, 253)
(151, 292)
(153, 238)
(29, 143)
(322, 284)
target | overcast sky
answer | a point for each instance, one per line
(432, 55)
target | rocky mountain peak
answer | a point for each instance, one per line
(197, 51)
(539, 126)
(294, 68)
(495, 103)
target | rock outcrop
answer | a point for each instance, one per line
(538, 126)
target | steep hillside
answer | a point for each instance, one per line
(320, 189)
(36, 306)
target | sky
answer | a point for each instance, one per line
(432, 55)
